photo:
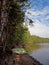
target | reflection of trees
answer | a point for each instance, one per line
(30, 47)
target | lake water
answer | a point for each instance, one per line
(42, 54)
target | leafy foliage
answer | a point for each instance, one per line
(14, 26)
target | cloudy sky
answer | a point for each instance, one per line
(39, 13)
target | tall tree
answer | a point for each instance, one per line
(4, 20)
(11, 22)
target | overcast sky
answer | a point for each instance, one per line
(39, 13)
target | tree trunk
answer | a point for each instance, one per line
(0, 22)
(4, 20)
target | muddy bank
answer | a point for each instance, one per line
(19, 59)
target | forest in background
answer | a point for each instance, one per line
(12, 31)
(30, 42)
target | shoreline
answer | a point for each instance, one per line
(19, 59)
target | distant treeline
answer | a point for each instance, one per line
(34, 39)
(30, 42)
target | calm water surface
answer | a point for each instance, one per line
(42, 54)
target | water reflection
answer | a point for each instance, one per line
(42, 53)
